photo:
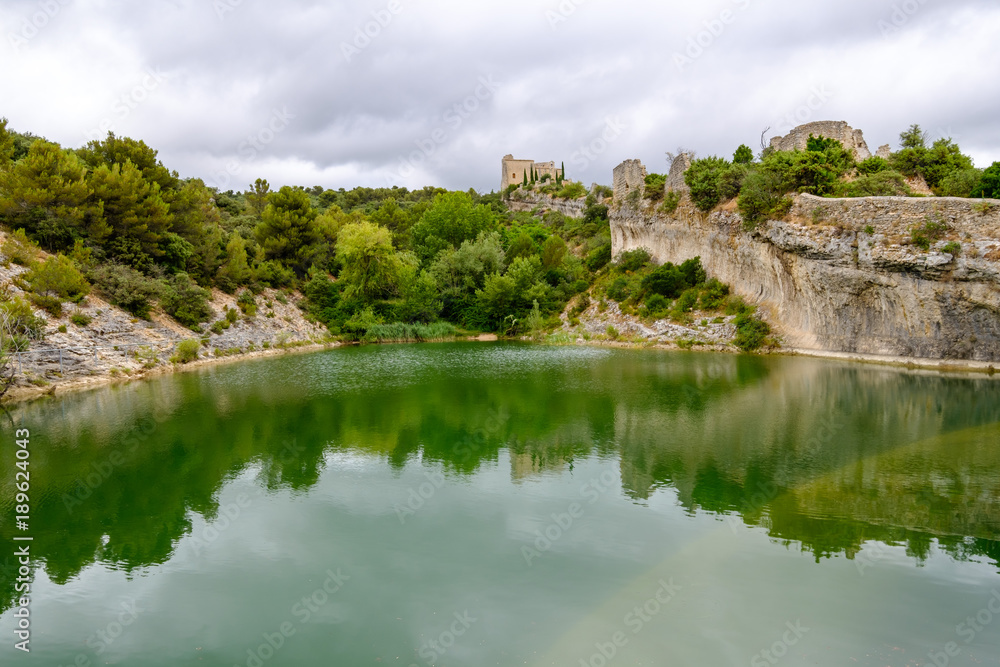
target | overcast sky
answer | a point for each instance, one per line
(436, 92)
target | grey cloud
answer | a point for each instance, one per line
(362, 118)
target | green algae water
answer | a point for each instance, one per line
(507, 504)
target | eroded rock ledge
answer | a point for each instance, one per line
(842, 275)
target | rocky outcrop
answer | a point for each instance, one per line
(844, 275)
(521, 200)
(113, 344)
(853, 140)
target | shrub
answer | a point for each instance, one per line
(656, 305)
(274, 274)
(80, 318)
(761, 197)
(671, 201)
(872, 165)
(612, 333)
(631, 261)
(989, 183)
(751, 332)
(713, 297)
(655, 185)
(126, 288)
(58, 277)
(572, 191)
(231, 316)
(18, 248)
(22, 320)
(50, 304)
(582, 304)
(218, 327)
(361, 323)
(187, 351)
(247, 303)
(687, 301)
(887, 183)
(666, 280)
(954, 248)
(62, 328)
(619, 290)
(869, 230)
(922, 236)
(961, 183)
(743, 155)
(703, 177)
(185, 301)
(599, 257)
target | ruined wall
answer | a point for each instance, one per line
(628, 176)
(675, 180)
(842, 274)
(852, 139)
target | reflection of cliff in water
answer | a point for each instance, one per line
(833, 456)
(822, 454)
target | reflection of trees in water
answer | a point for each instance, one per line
(800, 446)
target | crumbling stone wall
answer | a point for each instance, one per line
(853, 140)
(628, 176)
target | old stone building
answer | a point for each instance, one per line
(514, 171)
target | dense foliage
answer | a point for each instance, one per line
(825, 168)
(374, 263)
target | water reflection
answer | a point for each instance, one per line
(823, 455)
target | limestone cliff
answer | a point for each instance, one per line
(842, 275)
(521, 200)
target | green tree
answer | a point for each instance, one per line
(287, 231)
(257, 196)
(913, 137)
(989, 183)
(522, 246)
(120, 150)
(422, 301)
(6, 144)
(133, 210)
(46, 194)
(394, 218)
(554, 251)
(235, 271)
(743, 155)
(371, 265)
(496, 299)
(452, 219)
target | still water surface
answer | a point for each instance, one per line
(508, 504)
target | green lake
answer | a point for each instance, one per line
(512, 504)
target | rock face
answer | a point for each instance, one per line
(843, 275)
(529, 201)
(853, 140)
(116, 344)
